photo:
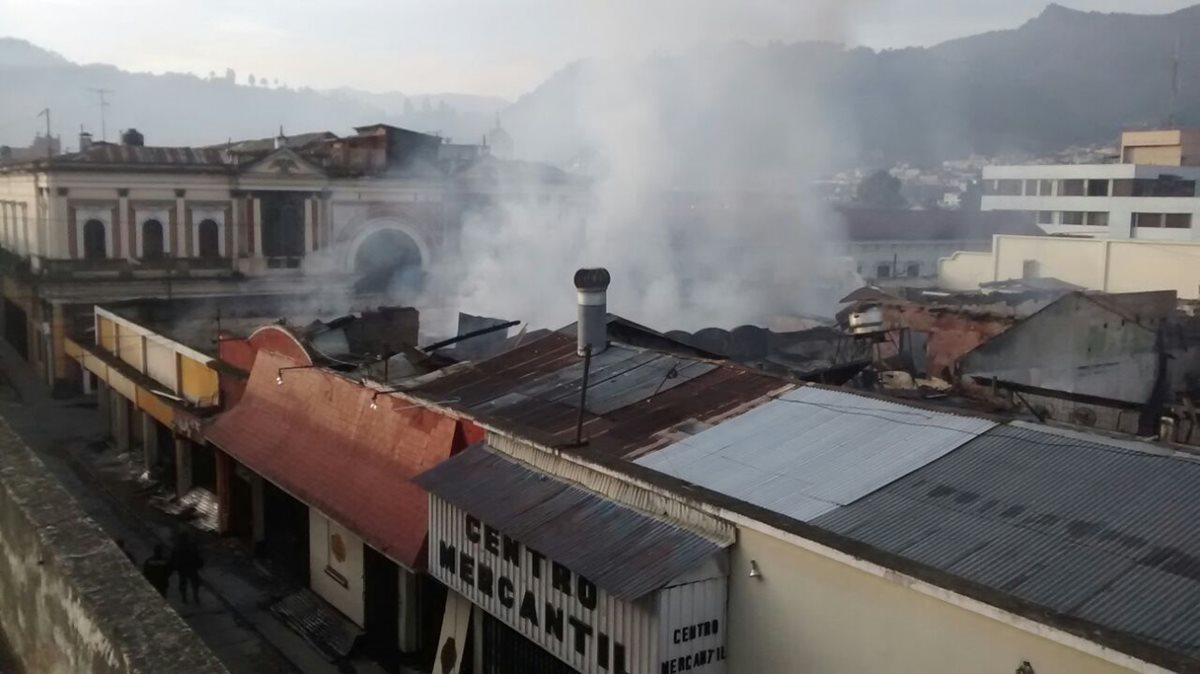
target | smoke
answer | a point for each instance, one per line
(699, 163)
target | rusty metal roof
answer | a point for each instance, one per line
(316, 437)
(627, 553)
(111, 153)
(635, 395)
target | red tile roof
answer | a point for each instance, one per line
(316, 437)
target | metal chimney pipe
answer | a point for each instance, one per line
(591, 287)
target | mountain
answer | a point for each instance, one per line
(1065, 77)
(183, 109)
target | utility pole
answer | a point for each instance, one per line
(103, 105)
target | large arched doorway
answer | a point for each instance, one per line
(388, 260)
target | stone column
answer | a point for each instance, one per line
(149, 445)
(126, 248)
(104, 406)
(258, 230)
(121, 422)
(183, 465)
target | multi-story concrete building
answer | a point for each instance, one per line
(314, 213)
(1151, 194)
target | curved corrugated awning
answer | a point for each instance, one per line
(623, 551)
(317, 438)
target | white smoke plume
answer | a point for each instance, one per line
(700, 170)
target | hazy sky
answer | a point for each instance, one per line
(502, 47)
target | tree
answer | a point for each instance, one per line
(881, 190)
(230, 76)
(252, 80)
(212, 75)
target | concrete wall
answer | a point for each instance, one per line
(70, 601)
(868, 256)
(808, 613)
(1094, 264)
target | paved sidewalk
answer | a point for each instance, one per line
(232, 615)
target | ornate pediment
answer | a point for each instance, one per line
(283, 163)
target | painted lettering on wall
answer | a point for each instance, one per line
(547, 616)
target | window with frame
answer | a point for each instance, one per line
(1178, 221)
(95, 240)
(1070, 188)
(1072, 217)
(153, 243)
(1148, 220)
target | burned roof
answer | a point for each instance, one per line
(635, 396)
(297, 141)
(1100, 532)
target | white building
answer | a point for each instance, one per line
(1117, 201)
(1150, 195)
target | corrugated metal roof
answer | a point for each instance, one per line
(110, 153)
(814, 449)
(625, 552)
(634, 394)
(316, 436)
(1086, 528)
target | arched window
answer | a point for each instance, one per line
(152, 240)
(209, 240)
(95, 241)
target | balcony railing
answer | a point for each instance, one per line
(164, 267)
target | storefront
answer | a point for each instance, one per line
(601, 586)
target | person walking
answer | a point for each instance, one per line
(187, 562)
(157, 569)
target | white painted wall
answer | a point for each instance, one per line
(1115, 266)
(808, 613)
(327, 572)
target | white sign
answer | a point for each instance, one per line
(681, 629)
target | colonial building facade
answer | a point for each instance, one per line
(363, 213)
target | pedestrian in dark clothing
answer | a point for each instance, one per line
(187, 562)
(157, 570)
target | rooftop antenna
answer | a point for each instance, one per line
(101, 93)
(1174, 109)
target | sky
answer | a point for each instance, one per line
(494, 47)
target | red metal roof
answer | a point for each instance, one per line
(316, 437)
